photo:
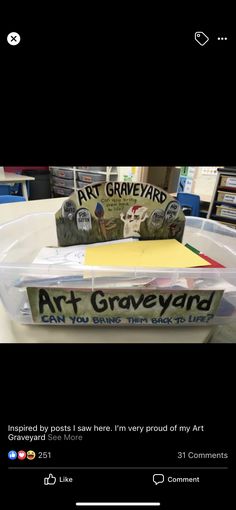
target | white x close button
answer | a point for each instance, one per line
(13, 38)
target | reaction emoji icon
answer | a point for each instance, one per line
(21, 455)
(31, 455)
(12, 455)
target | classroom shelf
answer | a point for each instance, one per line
(223, 204)
(64, 180)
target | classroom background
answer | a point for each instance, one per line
(207, 192)
(204, 192)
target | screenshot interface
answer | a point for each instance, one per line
(117, 283)
(127, 465)
(142, 437)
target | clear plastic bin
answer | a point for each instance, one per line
(21, 240)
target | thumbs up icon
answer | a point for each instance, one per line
(50, 480)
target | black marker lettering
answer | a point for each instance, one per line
(57, 301)
(109, 189)
(149, 192)
(102, 303)
(81, 196)
(139, 301)
(191, 300)
(143, 189)
(179, 301)
(156, 195)
(44, 300)
(129, 188)
(73, 301)
(150, 301)
(89, 191)
(164, 303)
(117, 188)
(163, 197)
(112, 301)
(96, 188)
(136, 191)
(205, 304)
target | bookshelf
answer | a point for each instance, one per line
(223, 204)
(64, 180)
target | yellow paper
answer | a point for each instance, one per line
(160, 253)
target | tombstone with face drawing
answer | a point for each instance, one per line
(172, 211)
(171, 219)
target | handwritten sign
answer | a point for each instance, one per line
(123, 307)
(117, 210)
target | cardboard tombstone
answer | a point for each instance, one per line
(111, 210)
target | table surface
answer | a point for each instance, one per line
(9, 212)
(11, 331)
(9, 177)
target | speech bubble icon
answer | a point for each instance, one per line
(158, 478)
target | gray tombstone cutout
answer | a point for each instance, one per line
(69, 209)
(157, 218)
(83, 219)
(172, 211)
